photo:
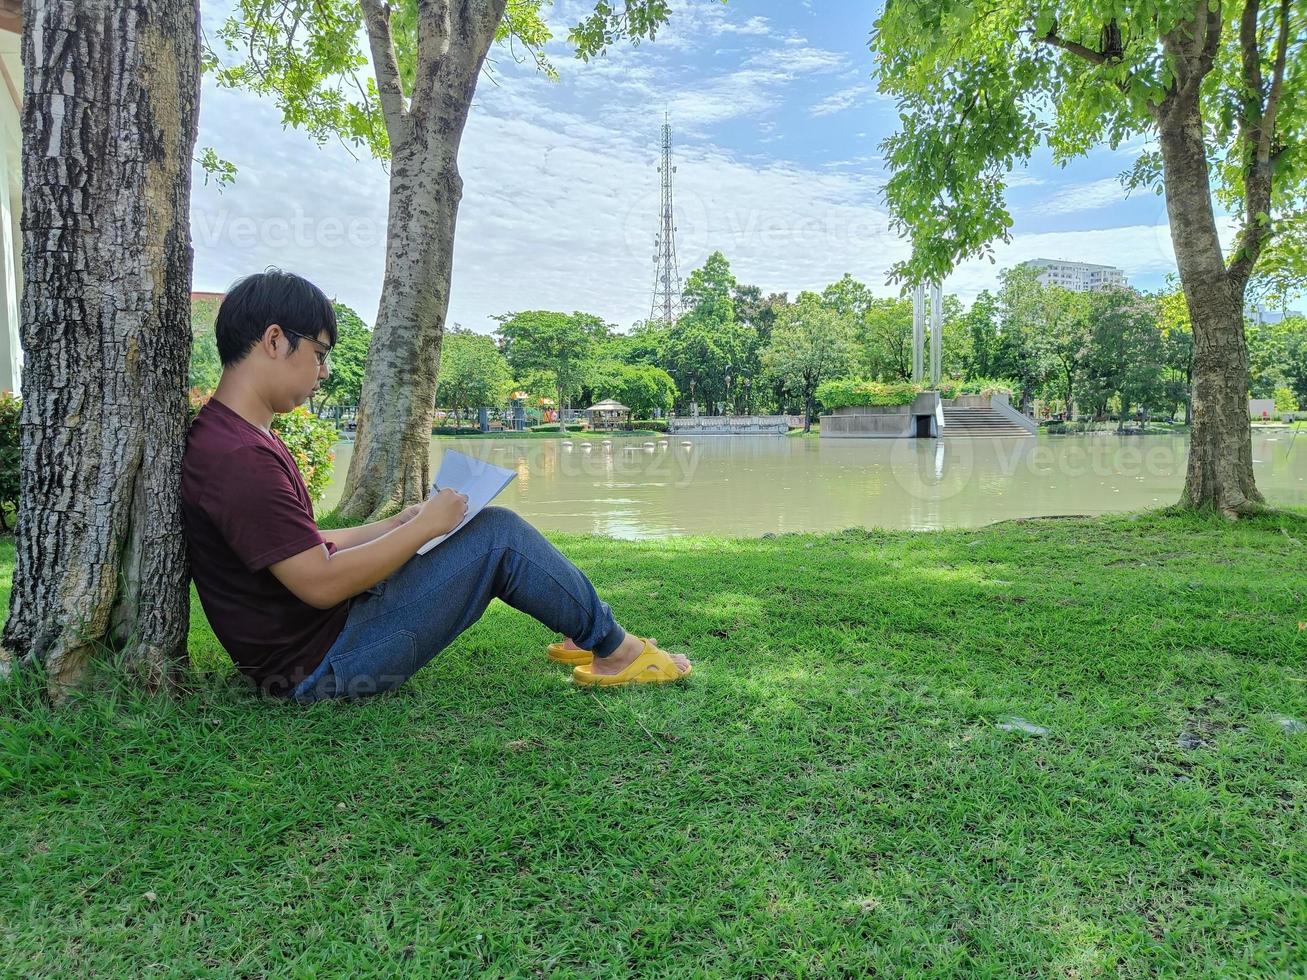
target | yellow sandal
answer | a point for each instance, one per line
(560, 654)
(652, 666)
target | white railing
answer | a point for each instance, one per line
(730, 424)
(999, 403)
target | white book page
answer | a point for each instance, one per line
(481, 481)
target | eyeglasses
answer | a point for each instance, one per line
(321, 355)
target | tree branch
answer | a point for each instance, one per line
(1258, 135)
(1277, 83)
(376, 15)
(1211, 37)
(1075, 47)
(434, 28)
(1252, 63)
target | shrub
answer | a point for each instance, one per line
(309, 440)
(851, 392)
(10, 454)
(1285, 400)
(988, 386)
(653, 425)
(546, 427)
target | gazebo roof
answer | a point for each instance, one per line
(608, 405)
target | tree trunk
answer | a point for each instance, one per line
(111, 92)
(391, 464)
(1220, 469)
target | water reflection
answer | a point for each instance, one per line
(749, 485)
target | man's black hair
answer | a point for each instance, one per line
(264, 298)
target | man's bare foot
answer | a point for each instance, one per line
(568, 644)
(625, 655)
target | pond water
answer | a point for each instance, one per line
(751, 485)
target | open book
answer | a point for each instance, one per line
(481, 481)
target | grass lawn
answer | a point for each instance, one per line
(832, 792)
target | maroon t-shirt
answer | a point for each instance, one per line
(246, 507)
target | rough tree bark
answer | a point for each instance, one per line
(1219, 475)
(1220, 469)
(109, 122)
(390, 465)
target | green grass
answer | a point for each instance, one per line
(829, 794)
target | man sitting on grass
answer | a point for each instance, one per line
(310, 614)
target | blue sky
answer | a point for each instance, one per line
(777, 128)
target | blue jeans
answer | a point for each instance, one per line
(403, 621)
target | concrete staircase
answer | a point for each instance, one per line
(970, 423)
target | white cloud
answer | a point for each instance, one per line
(1023, 178)
(754, 25)
(802, 58)
(843, 99)
(1082, 197)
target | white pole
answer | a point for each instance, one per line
(936, 330)
(918, 331)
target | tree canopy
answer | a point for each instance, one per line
(980, 87)
(309, 56)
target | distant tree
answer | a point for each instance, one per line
(981, 325)
(707, 351)
(560, 343)
(642, 344)
(1018, 354)
(473, 372)
(810, 343)
(756, 311)
(1064, 335)
(1177, 346)
(349, 358)
(643, 388)
(1296, 367)
(884, 340)
(205, 364)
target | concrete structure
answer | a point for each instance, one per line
(930, 417)
(923, 419)
(1079, 277)
(11, 193)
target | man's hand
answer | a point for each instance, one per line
(442, 512)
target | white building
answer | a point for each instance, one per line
(11, 192)
(1079, 277)
(1261, 315)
